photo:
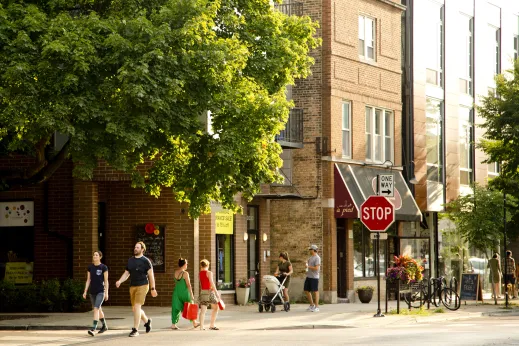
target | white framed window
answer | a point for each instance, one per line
(493, 169)
(466, 142)
(434, 139)
(367, 35)
(346, 129)
(435, 44)
(380, 138)
(516, 47)
(466, 54)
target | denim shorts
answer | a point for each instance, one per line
(97, 299)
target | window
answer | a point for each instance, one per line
(494, 34)
(224, 259)
(379, 134)
(434, 139)
(494, 168)
(363, 251)
(466, 141)
(434, 63)
(466, 54)
(346, 130)
(367, 37)
(286, 169)
(516, 47)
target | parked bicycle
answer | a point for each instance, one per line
(435, 292)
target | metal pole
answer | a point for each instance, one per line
(377, 247)
(504, 247)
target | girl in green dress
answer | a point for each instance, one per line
(182, 293)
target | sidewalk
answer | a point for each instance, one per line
(248, 317)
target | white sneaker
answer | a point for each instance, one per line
(315, 309)
(311, 308)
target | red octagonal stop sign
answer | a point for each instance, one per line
(377, 213)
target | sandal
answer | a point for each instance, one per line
(174, 328)
(196, 326)
(214, 328)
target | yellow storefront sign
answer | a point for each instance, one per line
(224, 222)
(19, 272)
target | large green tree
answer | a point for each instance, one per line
(501, 123)
(128, 81)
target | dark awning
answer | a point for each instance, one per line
(354, 184)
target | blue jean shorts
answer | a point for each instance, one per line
(97, 299)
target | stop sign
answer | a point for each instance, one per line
(377, 213)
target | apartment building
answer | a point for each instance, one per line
(454, 48)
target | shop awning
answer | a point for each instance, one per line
(354, 184)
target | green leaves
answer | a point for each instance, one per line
(127, 81)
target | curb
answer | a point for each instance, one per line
(39, 327)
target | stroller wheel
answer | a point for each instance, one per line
(267, 307)
(260, 308)
(286, 306)
(273, 308)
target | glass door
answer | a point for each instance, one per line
(252, 247)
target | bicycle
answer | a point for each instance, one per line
(439, 292)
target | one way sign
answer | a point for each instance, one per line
(386, 185)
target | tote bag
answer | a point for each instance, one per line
(190, 311)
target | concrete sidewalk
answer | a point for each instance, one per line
(248, 317)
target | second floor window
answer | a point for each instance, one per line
(494, 168)
(367, 37)
(379, 134)
(346, 130)
(516, 47)
(434, 139)
(466, 54)
(495, 51)
(466, 140)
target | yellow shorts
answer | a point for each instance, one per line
(138, 294)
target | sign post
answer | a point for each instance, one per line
(377, 214)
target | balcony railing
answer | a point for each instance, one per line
(293, 8)
(292, 135)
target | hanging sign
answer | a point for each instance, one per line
(17, 214)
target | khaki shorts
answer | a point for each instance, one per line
(138, 294)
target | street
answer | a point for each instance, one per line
(475, 331)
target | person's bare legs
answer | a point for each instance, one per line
(309, 297)
(101, 313)
(144, 318)
(137, 315)
(214, 313)
(316, 300)
(96, 314)
(285, 293)
(203, 310)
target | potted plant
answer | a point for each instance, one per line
(365, 293)
(243, 290)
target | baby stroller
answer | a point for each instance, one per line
(273, 294)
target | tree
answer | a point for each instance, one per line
(501, 139)
(128, 81)
(479, 217)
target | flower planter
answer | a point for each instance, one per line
(242, 295)
(365, 296)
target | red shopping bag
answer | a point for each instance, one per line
(221, 305)
(190, 311)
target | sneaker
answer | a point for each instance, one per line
(91, 332)
(316, 309)
(102, 330)
(148, 325)
(134, 333)
(310, 308)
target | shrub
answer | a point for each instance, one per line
(51, 295)
(72, 293)
(365, 288)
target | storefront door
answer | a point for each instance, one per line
(253, 249)
(341, 258)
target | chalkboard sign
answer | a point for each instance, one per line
(153, 237)
(471, 287)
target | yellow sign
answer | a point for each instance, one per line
(224, 222)
(19, 272)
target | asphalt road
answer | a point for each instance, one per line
(475, 331)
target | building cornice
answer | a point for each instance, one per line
(394, 4)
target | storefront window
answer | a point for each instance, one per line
(224, 250)
(364, 254)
